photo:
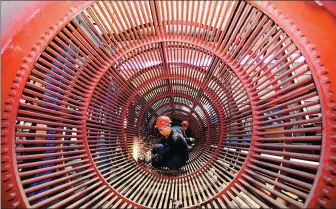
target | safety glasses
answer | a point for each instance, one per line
(161, 129)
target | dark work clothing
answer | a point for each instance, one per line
(171, 152)
(174, 162)
(183, 133)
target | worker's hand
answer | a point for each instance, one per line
(190, 148)
(141, 159)
(192, 139)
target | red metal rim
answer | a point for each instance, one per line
(320, 74)
(294, 24)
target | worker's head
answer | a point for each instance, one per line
(184, 125)
(163, 125)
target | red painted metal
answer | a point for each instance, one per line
(254, 79)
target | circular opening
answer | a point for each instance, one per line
(184, 90)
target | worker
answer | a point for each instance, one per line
(182, 131)
(172, 150)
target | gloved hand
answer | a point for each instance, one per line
(190, 148)
(192, 139)
(141, 159)
(148, 157)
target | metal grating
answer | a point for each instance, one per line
(250, 97)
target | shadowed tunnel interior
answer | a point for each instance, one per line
(102, 80)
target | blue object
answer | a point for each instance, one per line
(274, 117)
(160, 149)
(53, 95)
(176, 127)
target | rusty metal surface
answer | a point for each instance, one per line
(252, 78)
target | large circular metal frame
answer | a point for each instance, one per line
(25, 45)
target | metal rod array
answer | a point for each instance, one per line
(223, 65)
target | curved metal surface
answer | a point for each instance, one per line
(79, 80)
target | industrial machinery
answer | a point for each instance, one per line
(256, 81)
